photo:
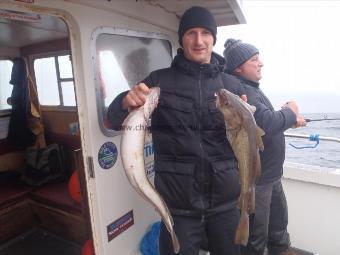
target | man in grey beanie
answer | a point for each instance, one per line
(196, 172)
(268, 226)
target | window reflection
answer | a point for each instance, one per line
(111, 74)
(123, 61)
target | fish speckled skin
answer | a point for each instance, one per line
(245, 137)
(132, 155)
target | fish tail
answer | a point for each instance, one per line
(175, 242)
(259, 141)
(242, 232)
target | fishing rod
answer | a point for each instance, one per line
(310, 120)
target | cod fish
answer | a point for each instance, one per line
(132, 155)
(245, 138)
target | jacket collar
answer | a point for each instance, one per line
(248, 82)
(186, 66)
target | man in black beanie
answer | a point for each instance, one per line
(196, 172)
(268, 227)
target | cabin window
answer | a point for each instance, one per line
(123, 60)
(5, 87)
(54, 79)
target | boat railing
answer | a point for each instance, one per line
(313, 137)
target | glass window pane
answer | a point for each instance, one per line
(68, 93)
(5, 87)
(65, 66)
(46, 79)
(126, 60)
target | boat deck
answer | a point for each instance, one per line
(38, 242)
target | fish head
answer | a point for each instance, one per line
(151, 102)
(227, 103)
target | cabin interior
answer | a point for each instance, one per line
(41, 206)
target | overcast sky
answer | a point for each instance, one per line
(299, 43)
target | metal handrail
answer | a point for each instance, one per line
(322, 138)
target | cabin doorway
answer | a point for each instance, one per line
(43, 199)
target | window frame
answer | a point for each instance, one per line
(55, 54)
(95, 63)
(6, 112)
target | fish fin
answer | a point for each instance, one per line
(259, 141)
(258, 168)
(175, 243)
(252, 200)
(250, 107)
(242, 232)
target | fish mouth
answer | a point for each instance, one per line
(220, 99)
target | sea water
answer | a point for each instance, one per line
(326, 153)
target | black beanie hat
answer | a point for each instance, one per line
(236, 53)
(196, 16)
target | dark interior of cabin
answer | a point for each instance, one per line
(42, 183)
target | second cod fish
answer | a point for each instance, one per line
(245, 138)
(132, 155)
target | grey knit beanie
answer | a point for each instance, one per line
(236, 53)
(196, 16)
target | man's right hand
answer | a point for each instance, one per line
(300, 121)
(293, 106)
(136, 96)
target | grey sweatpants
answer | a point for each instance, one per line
(268, 226)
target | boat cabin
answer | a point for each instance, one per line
(62, 185)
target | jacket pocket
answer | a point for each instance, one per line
(176, 102)
(174, 113)
(225, 181)
(174, 181)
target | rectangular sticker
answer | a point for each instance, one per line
(27, 17)
(26, 1)
(120, 225)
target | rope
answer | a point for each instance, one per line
(312, 137)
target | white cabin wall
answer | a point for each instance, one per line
(82, 21)
(90, 21)
(313, 197)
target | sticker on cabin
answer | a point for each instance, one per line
(21, 16)
(26, 1)
(107, 155)
(148, 159)
(120, 225)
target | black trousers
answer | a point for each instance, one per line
(192, 231)
(268, 226)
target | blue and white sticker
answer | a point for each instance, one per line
(149, 159)
(107, 155)
(120, 225)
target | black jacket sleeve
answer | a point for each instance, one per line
(233, 84)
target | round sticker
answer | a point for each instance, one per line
(107, 155)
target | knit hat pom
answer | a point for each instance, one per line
(236, 53)
(230, 44)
